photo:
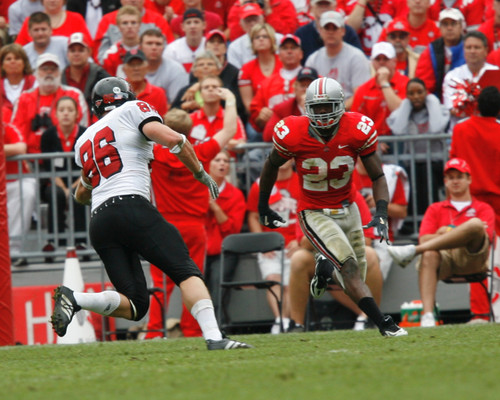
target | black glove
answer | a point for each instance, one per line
(380, 222)
(270, 218)
(207, 180)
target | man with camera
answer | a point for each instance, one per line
(34, 111)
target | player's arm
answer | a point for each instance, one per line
(83, 192)
(373, 167)
(268, 177)
(180, 146)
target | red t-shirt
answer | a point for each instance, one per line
(251, 74)
(283, 200)
(443, 213)
(74, 22)
(155, 96)
(325, 169)
(369, 100)
(488, 28)
(212, 20)
(232, 201)
(12, 135)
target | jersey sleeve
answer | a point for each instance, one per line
(142, 113)
(286, 135)
(363, 131)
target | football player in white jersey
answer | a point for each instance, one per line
(114, 155)
(325, 144)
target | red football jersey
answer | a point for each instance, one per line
(325, 168)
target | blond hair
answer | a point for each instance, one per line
(179, 120)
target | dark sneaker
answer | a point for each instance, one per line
(389, 328)
(322, 276)
(226, 344)
(64, 308)
(49, 248)
(295, 328)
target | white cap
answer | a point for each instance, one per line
(46, 58)
(331, 17)
(451, 13)
(384, 48)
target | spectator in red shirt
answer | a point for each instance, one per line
(454, 238)
(383, 93)
(491, 27)
(135, 68)
(92, 11)
(212, 20)
(398, 34)
(63, 22)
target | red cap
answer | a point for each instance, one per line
(250, 9)
(397, 25)
(215, 32)
(289, 36)
(458, 164)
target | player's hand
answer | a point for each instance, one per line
(270, 218)
(207, 180)
(379, 222)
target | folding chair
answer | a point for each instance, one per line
(479, 278)
(248, 243)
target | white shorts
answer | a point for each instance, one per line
(270, 264)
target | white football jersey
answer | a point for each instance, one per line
(114, 153)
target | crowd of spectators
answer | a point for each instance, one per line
(412, 66)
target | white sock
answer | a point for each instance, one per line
(103, 303)
(203, 312)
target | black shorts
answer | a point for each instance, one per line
(124, 227)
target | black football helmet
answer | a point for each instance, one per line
(110, 93)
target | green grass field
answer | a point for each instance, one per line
(447, 362)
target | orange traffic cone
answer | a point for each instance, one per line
(80, 330)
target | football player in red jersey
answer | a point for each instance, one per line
(325, 144)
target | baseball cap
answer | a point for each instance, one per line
(397, 26)
(458, 164)
(289, 36)
(331, 17)
(307, 73)
(48, 58)
(321, 1)
(385, 48)
(77, 38)
(216, 32)
(193, 13)
(451, 13)
(133, 54)
(250, 9)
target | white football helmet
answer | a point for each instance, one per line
(325, 91)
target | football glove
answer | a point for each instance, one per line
(207, 180)
(380, 221)
(270, 218)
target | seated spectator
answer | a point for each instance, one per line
(283, 201)
(128, 22)
(225, 217)
(239, 51)
(63, 22)
(280, 14)
(81, 72)
(279, 86)
(164, 72)
(454, 237)
(43, 40)
(108, 33)
(266, 63)
(423, 30)
(397, 210)
(367, 18)
(185, 49)
(209, 119)
(16, 74)
(135, 67)
(34, 112)
(490, 27)
(21, 193)
(398, 34)
(460, 88)
(293, 106)
(62, 138)
(309, 33)
(213, 20)
(92, 11)
(338, 60)
(20, 10)
(303, 267)
(383, 93)
(444, 53)
(421, 113)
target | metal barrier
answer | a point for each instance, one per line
(411, 152)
